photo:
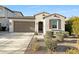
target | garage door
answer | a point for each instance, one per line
(24, 26)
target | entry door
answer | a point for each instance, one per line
(40, 27)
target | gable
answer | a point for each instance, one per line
(55, 16)
(40, 16)
(42, 13)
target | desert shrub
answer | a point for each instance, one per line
(35, 39)
(72, 51)
(49, 34)
(60, 36)
(66, 34)
(35, 45)
(36, 33)
(50, 44)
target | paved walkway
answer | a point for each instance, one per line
(14, 43)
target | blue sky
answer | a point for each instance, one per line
(28, 10)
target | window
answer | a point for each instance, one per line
(53, 23)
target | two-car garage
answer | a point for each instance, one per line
(22, 24)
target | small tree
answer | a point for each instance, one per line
(72, 25)
(68, 26)
(75, 27)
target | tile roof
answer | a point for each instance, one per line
(23, 17)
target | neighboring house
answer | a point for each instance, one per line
(17, 13)
(5, 13)
(40, 23)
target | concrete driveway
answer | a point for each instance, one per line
(14, 43)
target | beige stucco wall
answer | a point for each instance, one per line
(39, 18)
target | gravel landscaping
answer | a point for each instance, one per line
(68, 43)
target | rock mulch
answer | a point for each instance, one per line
(68, 43)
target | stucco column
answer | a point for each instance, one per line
(44, 30)
(63, 25)
(36, 26)
(11, 28)
(57, 24)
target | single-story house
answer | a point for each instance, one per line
(39, 23)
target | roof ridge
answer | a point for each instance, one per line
(41, 13)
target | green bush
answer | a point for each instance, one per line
(35, 45)
(35, 39)
(68, 27)
(72, 51)
(60, 36)
(36, 33)
(66, 34)
(49, 34)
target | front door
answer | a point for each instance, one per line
(40, 27)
